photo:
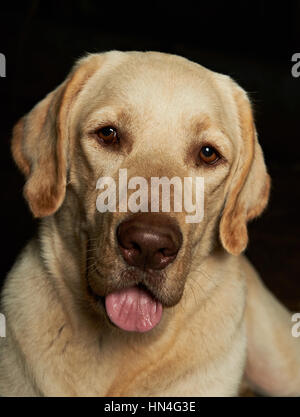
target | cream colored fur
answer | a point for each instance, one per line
(223, 326)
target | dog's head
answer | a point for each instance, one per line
(117, 125)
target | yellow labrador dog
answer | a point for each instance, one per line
(145, 303)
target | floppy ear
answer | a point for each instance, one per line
(40, 142)
(249, 191)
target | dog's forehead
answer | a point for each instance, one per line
(162, 85)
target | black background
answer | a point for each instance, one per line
(252, 41)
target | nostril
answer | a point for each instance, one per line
(169, 251)
(134, 246)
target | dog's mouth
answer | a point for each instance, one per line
(133, 309)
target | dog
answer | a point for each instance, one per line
(143, 303)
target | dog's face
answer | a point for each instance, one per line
(154, 115)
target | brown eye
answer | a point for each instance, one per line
(107, 135)
(209, 155)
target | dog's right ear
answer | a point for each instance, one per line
(40, 141)
(37, 150)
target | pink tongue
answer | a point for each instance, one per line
(133, 309)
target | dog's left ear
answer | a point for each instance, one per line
(40, 141)
(249, 191)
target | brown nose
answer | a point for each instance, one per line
(148, 240)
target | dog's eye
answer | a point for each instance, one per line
(107, 135)
(209, 155)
